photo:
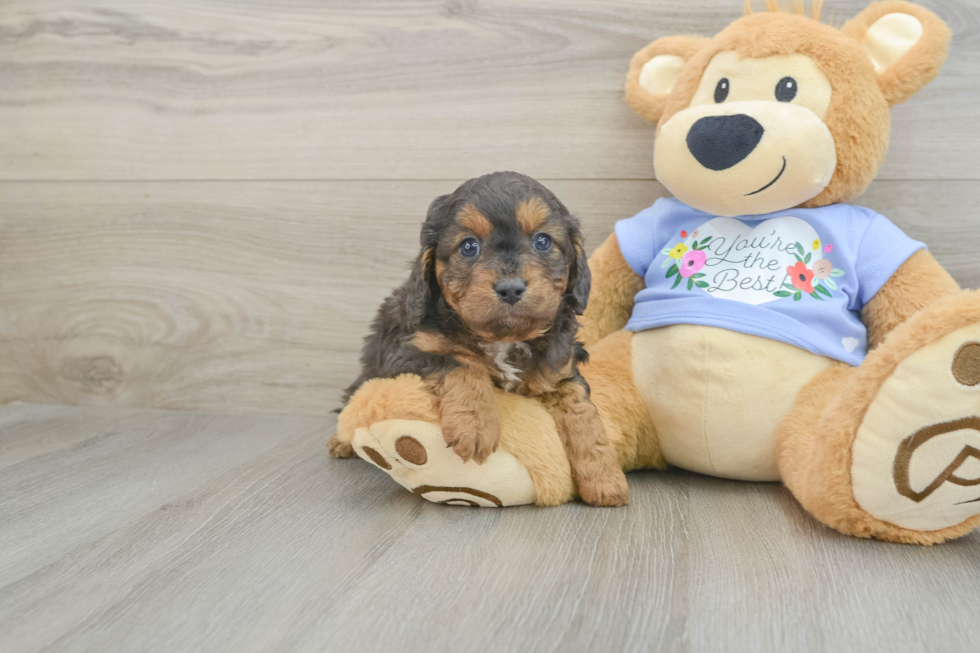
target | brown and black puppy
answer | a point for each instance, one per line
(492, 300)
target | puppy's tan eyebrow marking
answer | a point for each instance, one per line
(531, 214)
(471, 218)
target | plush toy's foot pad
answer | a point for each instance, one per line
(916, 455)
(414, 453)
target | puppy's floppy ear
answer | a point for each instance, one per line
(422, 291)
(579, 276)
(906, 43)
(654, 71)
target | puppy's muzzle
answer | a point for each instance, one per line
(510, 291)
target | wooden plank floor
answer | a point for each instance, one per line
(141, 530)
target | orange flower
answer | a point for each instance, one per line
(801, 277)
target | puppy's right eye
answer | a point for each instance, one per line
(469, 248)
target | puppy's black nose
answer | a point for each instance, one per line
(510, 290)
(719, 142)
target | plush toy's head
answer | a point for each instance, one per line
(779, 110)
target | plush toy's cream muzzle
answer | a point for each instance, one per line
(745, 158)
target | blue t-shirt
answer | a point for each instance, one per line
(800, 276)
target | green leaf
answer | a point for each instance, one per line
(837, 273)
(690, 284)
(807, 259)
(676, 281)
(667, 261)
(800, 248)
(816, 295)
(798, 258)
(830, 284)
(792, 288)
(698, 275)
(797, 296)
(705, 241)
(820, 288)
(782, 293)
(672, 271)
(694, 245)
(701, 284)
(665, 250)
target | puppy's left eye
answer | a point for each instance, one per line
(470, 247)
(542, 242)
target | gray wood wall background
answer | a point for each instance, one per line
(203, 201)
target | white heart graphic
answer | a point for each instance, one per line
(748, 264)
(850, 344)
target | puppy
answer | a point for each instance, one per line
(492, 300)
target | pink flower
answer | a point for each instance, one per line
(828, 248)
(695, 234)
(692, 261)
(822, 269)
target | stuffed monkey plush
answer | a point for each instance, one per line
(755, 326)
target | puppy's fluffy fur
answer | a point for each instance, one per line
(492, 300)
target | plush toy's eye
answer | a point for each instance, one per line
(542, 242)
(721, 90)
(469, 248)
(786, 89)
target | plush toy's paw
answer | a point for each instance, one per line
(414, 453)
(916, 455)
(609, 492)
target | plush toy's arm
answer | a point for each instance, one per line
(920, 281)
(614, 284)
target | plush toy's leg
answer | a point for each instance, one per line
(625, 416)
(891, 449)
(393, 424)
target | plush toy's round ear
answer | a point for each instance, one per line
(654, 71)
(906, 43)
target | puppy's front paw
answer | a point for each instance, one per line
(338, 448)
(472, 439)
(609, 491)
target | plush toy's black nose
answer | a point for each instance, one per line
(510, 290)
(719, 142)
